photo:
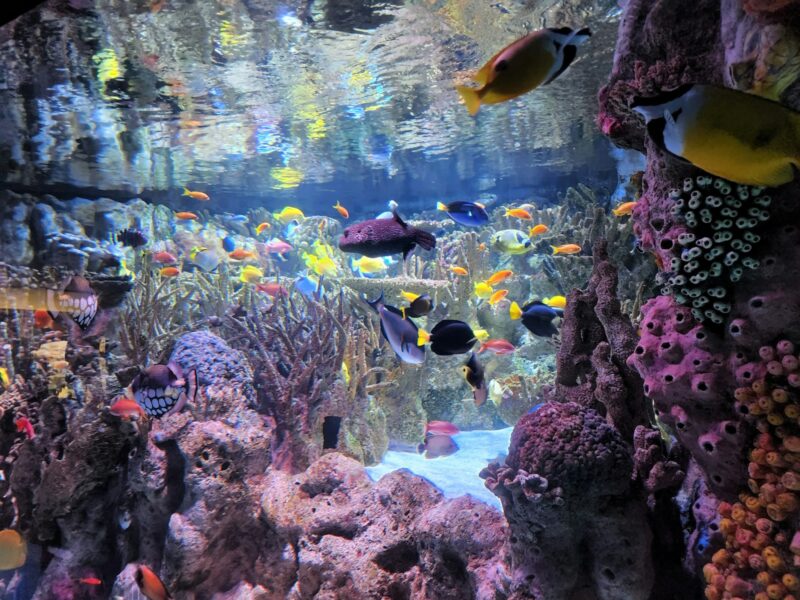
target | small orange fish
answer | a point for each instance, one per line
(164, 258)
(459, 271)
(482, 246)
(186, 216)
(497, 346)
(156, 6)
(518, 213)
(261, 227)
(150, 584)
(272, 289)
(125, 408)
(538, 230)
(624, 209)
(497, 296)
(23, 424)
(90, 580)
(566, 249)
(170, 272)
(341, 210)
(499, 276)
(202, 196)
(242, 254)
(42, 319)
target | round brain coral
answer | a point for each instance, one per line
(573, 448)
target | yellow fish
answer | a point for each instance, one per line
(251, 274)
(481, 334)
(322, 250)
(555, 301)
(514, 311)
(483, 290)
(533, 60)
(345, 373)
(4, 377)
(261, 227)
(366, 264)
(289, 213)
(320, 266)
(409, 296)
(624, 209)
(13, 550)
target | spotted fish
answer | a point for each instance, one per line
(77, 300)
(163, 390)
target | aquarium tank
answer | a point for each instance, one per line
(400, 300)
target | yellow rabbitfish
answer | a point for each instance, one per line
(533, 60)
(288, 214)
(13, 550)
(251, 274)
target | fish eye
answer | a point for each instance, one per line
(501, 65)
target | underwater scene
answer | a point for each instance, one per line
(400, 300)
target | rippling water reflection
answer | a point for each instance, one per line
(258, 99)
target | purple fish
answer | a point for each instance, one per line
(436, 445)
(384, 237)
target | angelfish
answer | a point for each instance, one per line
(163, 390)
(400, 332)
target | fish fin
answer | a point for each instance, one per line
(568, 54)
(471, 98)
(479, 205)
(398, 218)
(423, 337)
(186, 192)
(441, 206)
(555, 250)
(663, 97)
(407, 250)
(425, 239)
(514, 311)
(481, 77)
(403, 314)
(375, 304)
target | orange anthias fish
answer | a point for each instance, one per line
(341, 210)
(42, 319)
(90, 581)
(497, 346)
(459, 271)
(624, 209)
(538, 230)
(151, 585)
(242, 254)
(272, 288)
(186, 216)
(126, 409)
(497, 296)
(518, 213)
(499, 276)
(202, 196)
(261, 227)
(23, 424)
(164, 258)
(170, 272)
(482, 246)
(566, 249)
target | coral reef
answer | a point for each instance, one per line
(577, 524)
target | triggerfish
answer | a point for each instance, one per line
(729, 133)
(384, 237)
(150, 584)
(474, 375)
(163, 390)
(448, 337)
(533, 60)
(469, 214)
(401, 333)
(537, 317)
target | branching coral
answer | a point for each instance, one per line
(296, 348)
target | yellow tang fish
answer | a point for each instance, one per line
(483, 290)
(251, 274)
(481, 334)
(366, 264)
(533, 60)
(555, 301)
(320, 266)
(13, 550)
(288, 214)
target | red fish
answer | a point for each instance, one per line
(242, 254)
(125, 408)
(272, 289)
(23, 424)
(497, 346)
(441, 428)
(90, 581)
(164, 258)
(42, 319)
(150, 584)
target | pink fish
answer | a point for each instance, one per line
(276, 246)
(272, 289)
(164, 258)
(441, 428)
(23, 424)
(497, 346)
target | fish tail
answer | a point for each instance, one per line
(555, 250)
(423, 337)
(471, 98)
(375, 304)
(186, 192)
(425, 239)
(441, 206)
(514, 311)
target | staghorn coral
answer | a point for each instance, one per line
(296, 348)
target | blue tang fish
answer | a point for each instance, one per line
(228, 244)
(469, 214)
(311, 289)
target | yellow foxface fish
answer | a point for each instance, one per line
(533, 60)
(731, 134)
(409, 296)
(555, 301)
(261, 227)
(624, 209)
(566, 249)
(288, 214)
(251, 274)
(13, 550)
(483, 290)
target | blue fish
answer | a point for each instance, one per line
(290, 227)
(311, 289)
(538, 318)
(469, 214)
(228, 244)
(235, 218)
(535, 407)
